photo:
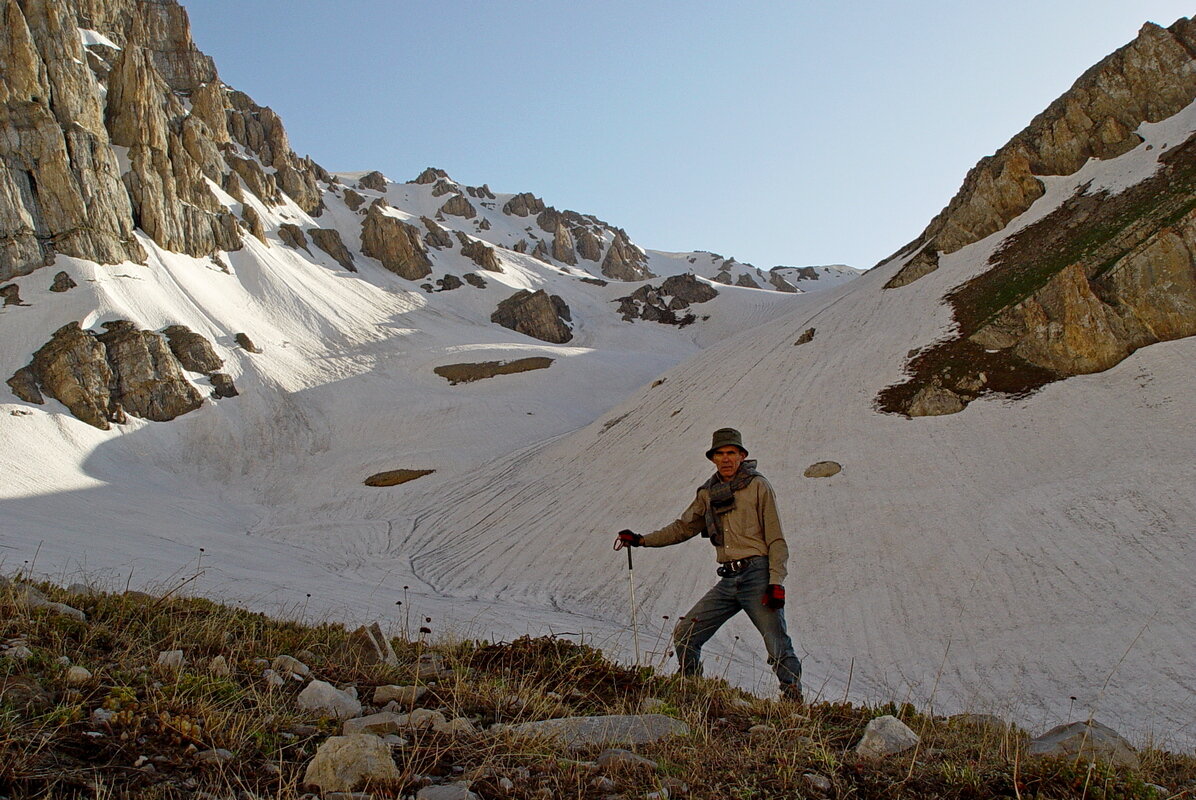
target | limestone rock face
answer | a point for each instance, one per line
(60, 189)
(458, 206)
(535, 314)
(624, 261)
(396, 244)
(329, 240)
(523, 204)
(101, 377)
(562, 245)
(148, 380)
(1148, 80)
(252, 222)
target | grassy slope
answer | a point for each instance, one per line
(50, 747)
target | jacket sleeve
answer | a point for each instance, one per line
(774, 538)
(691, 522)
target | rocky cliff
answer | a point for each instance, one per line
(133, 80)
(1102, 275)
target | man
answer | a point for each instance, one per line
(737, 510)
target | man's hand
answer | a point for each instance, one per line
(628, 538)
(774, 596)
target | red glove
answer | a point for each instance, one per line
(774, 596)
(628, 539)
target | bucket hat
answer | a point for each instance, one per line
(725, 437)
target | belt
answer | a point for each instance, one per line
(735, 567)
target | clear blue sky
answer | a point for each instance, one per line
(776, 132)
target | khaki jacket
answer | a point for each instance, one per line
(752, 528)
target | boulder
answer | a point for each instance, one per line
(24, 385)
(252, 222)
(448, 283)
(379, 724)
(688, 289)
(747, 280)
(886, 736)
(324, 698)
(11, 295)
(73, 369)
(222, 385)
(535, 314)
(353, 200)
(806, 336)
(481, 254)
(194, 352)
(245, 343)
(475, 280)
(329, 240)
(604, 731)
(430, 175)
(345, 763)
(62, 282)
(396, 244)
(589, 246)
(443, 187)
(1090, 740)
(541, 251)
(403, 695)
(371, 646)
(289, 665)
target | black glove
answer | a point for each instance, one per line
(774, 596)
(628, 539)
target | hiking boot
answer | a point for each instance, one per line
(792, 693)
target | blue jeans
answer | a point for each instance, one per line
(742, 591)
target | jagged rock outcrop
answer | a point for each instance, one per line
(747, 280)
(252, 222)
(541, 251)
(458, 206)
(396, 244)
(480, 192)
(589, 246)
(562, 245)
(1148, 80)
(430, 175)
(60, 189)
(778, 282)
(523, 204)
(536, 314)
(260, 130)
(479, 253)
(193, 351)
(353, 200)
(443, 187)
(100, 377)
(62, 282)
(475, 280)
(147, 380)
(373, 180)
(11, 295)
(660, 304)
(436, 236)
(329, 240)
(1074, 293)
(624, 261)
(292, 236)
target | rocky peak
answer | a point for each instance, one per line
(430, 175)
(624, 261)
(373, 180)
(1147, 80)
(523, 204)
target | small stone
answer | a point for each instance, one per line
(761, 730)
(1090, 739)
(405, 696)
(77, 676)
(819, 783)
(886, 736)
(324, 697)
(394, 740)
(274, 680)
(217, 756)
(380, 724)
(171, 660)
(218, 666)
(288, 665)
(20, 653)
(454, 727)
(506, 784)
(602, 783)
(348, 796)
(653, 705)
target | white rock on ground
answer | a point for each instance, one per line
(77, 676)
(218, 666)
(451, 791)
(403, 695)
(1090, 739)
(171, 659)
(886, 736)
(324, 697)
(343, 763)
(289, 665)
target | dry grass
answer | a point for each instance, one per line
(50, 745)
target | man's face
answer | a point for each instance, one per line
(727, 460)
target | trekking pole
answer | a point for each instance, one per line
(635, 634)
